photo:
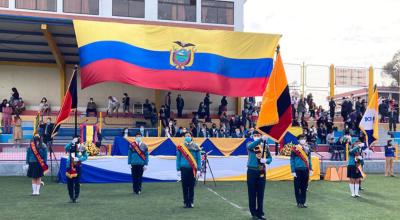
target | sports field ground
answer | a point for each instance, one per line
(326, 200)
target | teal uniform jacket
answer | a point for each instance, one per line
(353, 153)
(135, 159)
(181, 162)
(30, 157)
(252, 161)
(82, 155)
(298, 164)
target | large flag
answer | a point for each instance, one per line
(276, 110)
(173, 58)
(369, 124)
(70, 102)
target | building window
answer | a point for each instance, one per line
(90, 7)
(41, 5)
(217, 12)
(177, 10)
(128, 8)
(4, 3)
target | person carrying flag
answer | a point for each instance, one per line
(36, 158)
(259, 156)
(353, 168)
(76, 155)
(138, 158)
(301, 168)
(188, 165)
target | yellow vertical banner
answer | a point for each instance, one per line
(159, 128)
(397, 152)
(347, 152)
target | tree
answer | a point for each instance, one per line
(392, 68)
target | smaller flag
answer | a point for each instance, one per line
(276, 110)
(70, 102)
(369, 124)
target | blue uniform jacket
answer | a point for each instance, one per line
(252, 161)
(135, 159)
(389, 151)
(81, 154)
(296, 163)
(181, 162)
(30, 157)
(352, 155)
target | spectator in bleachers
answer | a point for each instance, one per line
(332, 108)
(363, 106)
(254, 117)
(163, 116)
(224, 119)
(126, 103)
(180, 103)
(167, 104)
(358, 104)
(346, 109)
(304, 123)
(322, 134)
(339, 147)
(17, 130)
(46, 131)
(193, 130)
(204, 132)
(167, 133)
(44, 107)
(207, 103)
(237, 133)
(112, 106)
(171, 128)
(3, 104)
(294, 103)
(154, 116)
(214, 131)
(125, 132)
(7, 118)
(389, 157)
(147, 110)
(223, 133)
(195, 120)
(19, 107)
(312, 109)
(142, 131)
(383, 110)
(180, 132)
(201, 111)
(301, 107)
(91, 108)
(224, 106)
(14, 96)
(393, 117)
(249, 133)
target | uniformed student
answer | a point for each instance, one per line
(76, 155)
(258, 156)
(353, 168)
(301, 168)
(36, 158)
(188, 165)
(138, 158)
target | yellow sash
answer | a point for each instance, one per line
(188, 156)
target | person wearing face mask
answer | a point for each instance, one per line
(301, 168)
(171, 128)
(259, 157)
(91, 108)
(77, 153)
(214, 131)
(353, 168)
(138, 158)
(237, 134)
(125, 132)
(36, 158)
(47, 130)
(141, 130)
(389, 156)
(188, 165)
(204, 132)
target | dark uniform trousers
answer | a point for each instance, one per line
(255, 187)
(74, 185)
(188, 182)
(137, 173)
(301, 185)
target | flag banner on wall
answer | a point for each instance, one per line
(369, 124)
(276, 110)
(173, 58)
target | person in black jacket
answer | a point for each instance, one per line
(332, 107)
(46, 131)
(180, 103)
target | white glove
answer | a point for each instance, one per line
(144, 167)
(263, 160)
(76, 159)
(294, 175)
(311, 172)
(264, 137)
(359, 157)
(74, 140)
(198, 173)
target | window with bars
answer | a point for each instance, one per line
(217, 12)
(128, 8)
(3, 3)
(41, 5)
(177, 10)
(90, 7)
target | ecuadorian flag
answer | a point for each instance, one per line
(369, 124)
(173, 58)
(275, 116)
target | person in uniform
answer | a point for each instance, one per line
(188, 165)
(138, 158)
(353, 168)
(76, 155)
(301, 168)
(258, 156)
(36, 158)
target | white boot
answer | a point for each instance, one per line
(357, 188)
(351, 186)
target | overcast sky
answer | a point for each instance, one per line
(342, 32)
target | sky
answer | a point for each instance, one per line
(342, 32)
(350, 33)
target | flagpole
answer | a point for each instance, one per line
(76, 110)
